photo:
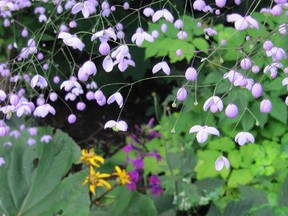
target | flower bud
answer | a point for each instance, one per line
(268, 45)
(231, 111)
(71, 118)
(182, 94)
(220, 3)
(104, 48)
(191, 74)
(257, 90)
(245, 63)
(265, 106)
(80, 106)
(255, 69)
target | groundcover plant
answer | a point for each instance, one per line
(193, 93)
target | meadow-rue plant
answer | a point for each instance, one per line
(219, 54)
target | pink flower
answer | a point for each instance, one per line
(116, 97)
(203, 132)
(242, 23)
(276, 53)
(162, 13)
(39, 81)
(161, 65)
(43, 110)
(71, 40)
(116, 125)
(221, 162)
(244, 137)
(214, 103)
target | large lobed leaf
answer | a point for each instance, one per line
(33, 182)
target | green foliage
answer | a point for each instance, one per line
(126, 202)
(33, 182)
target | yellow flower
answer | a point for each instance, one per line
(89, 158)
(125, 178)
(95, 179)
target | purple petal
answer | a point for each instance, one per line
(157, 67)
(107, 64)
(157, 15)
(212, 130)
(76, 8)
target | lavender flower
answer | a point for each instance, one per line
(203, 132)
(221, 162)
(46, 138)
(162, 13)
(244, 137)
(214, 103)
(242, 23)
(43, 110)
(71, 40)
(161, 65)
(116, 125)
(116, 97)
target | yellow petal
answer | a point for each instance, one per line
(92, 189)
(105, 183)
(104, 175)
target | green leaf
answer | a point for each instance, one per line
(256, 195)
(187, 50)
(240, 176)
(201, 44)
(240, 208)
(279, 110)
(32, 174)
(283, 194)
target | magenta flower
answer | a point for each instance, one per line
(116, 125)
(242, 23)
(214, 103)
(43, 110)
(71, 40)
(39, 81)
(244, 137)
(221, 162)
(116, 97)
(140, 36)
(203, 132)
(162, 13)
(265, 106)
(161, 65)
